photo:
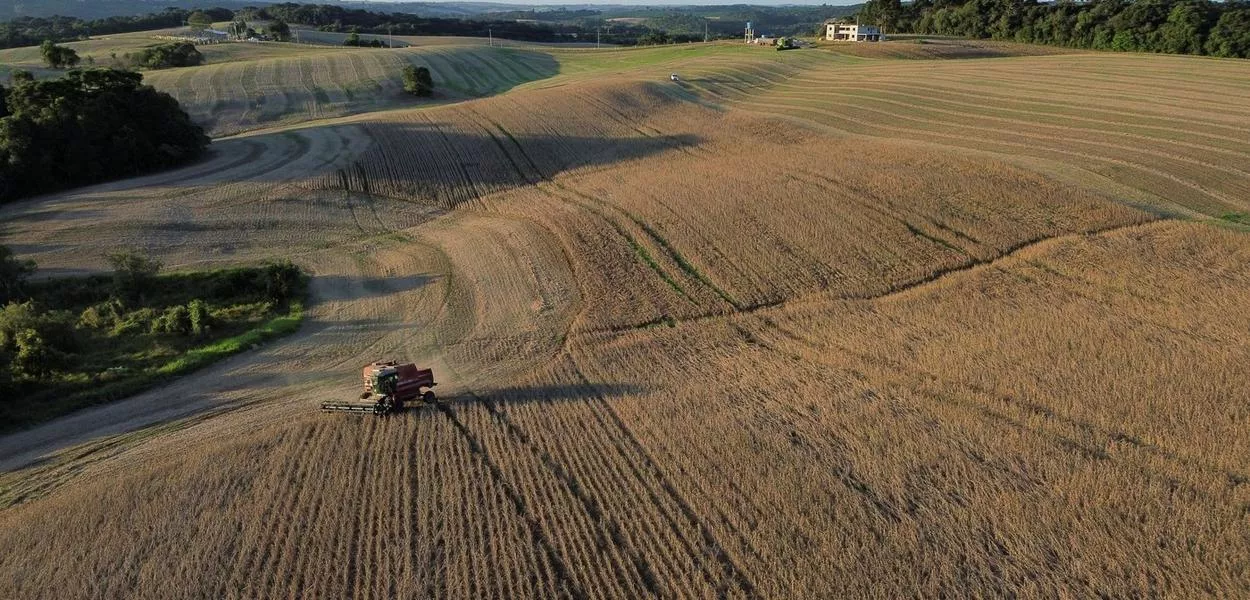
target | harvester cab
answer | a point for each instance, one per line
(383, 382)
(389, 385)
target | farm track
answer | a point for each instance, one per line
(895, 356)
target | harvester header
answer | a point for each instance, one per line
(388, 386)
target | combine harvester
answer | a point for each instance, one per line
(393, 384)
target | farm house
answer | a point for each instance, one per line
(852, 32)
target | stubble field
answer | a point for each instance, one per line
(802, 325)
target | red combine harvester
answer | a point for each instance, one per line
(393, 384)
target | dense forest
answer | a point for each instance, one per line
(330, 17)
(1174, 26)
(88, 126)
(31, 31)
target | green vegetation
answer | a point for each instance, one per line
(1239, 218)
(417, 81)
(164, 56)
(70, 343)
(31, 30)
(354, 40)
(278, 30)
(199, 20)
(57, 57)
(1172, 26)
(89, 126)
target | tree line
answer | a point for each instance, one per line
(1171, 26)
(90, 125)
(30, 31)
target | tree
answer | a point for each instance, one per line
(89, 126)
(175, 54)
(1230, 37)
(58, 57)
(279, 30)
(417, 81)
(237, 29)
(352, 40)
(13, 274)
(199, 20)
(1182, 33)
(132, 272)
(33, 358)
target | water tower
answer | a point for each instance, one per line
(750, 32)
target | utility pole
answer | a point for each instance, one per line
(597, 31)
(390, 36)
(490, 38)
(704, 31)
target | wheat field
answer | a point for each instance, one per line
(803, 325)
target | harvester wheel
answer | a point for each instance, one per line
(428, 397)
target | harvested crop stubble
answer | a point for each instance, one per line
(750, 335)
(1070, 110)
(246, 94)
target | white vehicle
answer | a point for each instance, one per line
(673, 77)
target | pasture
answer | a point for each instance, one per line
(804, 324)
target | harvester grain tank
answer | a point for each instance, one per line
(388, 387)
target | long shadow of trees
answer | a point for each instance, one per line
(446, 166)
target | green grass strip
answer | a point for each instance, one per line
(206, 355)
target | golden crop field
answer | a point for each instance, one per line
(801, 325)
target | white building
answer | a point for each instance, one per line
(852, 32)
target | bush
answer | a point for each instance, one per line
(13, 275)
(201, 319)
(55, 327)
(279, 30)
(134, 322)
(175, 319)
(58, 57)
(163, 56)
(279, 280)
(132, 272)
(101, 316)
(33, 358)
(417, 81)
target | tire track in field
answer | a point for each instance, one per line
(671, 253)
(1058, 137)
(537, 535)
(609, 532)
(961, 141)
(1037, 110)
(732, 572)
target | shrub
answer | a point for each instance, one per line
(58, 57)
(279, 280)
(34, 357)
(54, 327)
(13, 274)
(132, 272)
(134, 322)
(101, 316)
(175, 319)
(163, 56)
(201, 319)
(417, 81)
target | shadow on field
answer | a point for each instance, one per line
(342, 287)
(441, 164)
(503, 397)
(458, 71)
